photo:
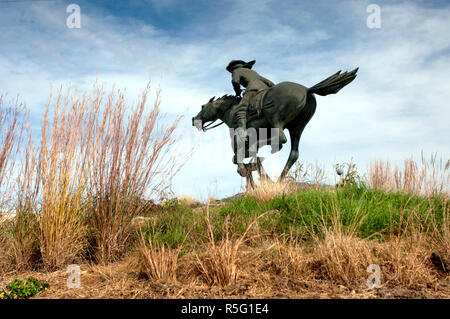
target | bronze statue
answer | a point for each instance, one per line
(286, 105)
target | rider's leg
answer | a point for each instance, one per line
(241, 115)
(242, 112)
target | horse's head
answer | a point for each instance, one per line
(213, 110)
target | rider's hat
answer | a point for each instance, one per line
(239, 64)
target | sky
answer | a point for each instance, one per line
(397, 106)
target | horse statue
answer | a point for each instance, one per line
(286, 105)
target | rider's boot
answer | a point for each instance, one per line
(242, 123)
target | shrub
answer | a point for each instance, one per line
(128, 160)
(23, 289)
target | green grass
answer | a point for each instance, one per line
(367, 213)
(172, 226)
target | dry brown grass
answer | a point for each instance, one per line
(404, 258)
(406, 263)
(24, 249)
(218, 262)
(62, 161)
(430, 176)
(158, 261)
(189, 201)
(266, 190)
(5, 250)
(11, 129)
(310, 176)
(292, 258)
(440, 241)
(341, 258)
(127, 159)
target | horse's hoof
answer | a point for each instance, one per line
(242, 170)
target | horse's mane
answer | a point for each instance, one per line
(235, 99)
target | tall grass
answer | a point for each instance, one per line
(25, 250)
(218, 264)
(92, 171)
(266, 190)
(63, 158)
(128, 159)
(11, 128)
(158, 261)
(429, 176)
(300, 177)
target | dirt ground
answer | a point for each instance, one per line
(117, 281)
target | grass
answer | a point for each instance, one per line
(62, 159)
(124, 164)
(316, 238)
(377, 212)
(218, 264)
(315, 235)
(158, 261)
(428, 177)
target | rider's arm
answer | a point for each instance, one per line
(268, 82)
(235, 80)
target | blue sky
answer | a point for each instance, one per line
(396, 107)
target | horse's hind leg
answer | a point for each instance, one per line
(249, 168)
(295, 131)
(277, 124)
(250, 182)
(281, 140)
(261, 171)
(295, 134)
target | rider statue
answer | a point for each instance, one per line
(242, 74)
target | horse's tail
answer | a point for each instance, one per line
(334, 83)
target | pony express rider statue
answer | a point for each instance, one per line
(242, 74)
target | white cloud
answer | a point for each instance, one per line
(396, 106)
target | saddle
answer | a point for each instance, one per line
(256, 103)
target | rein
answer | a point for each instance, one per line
(207, 127)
